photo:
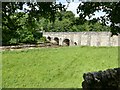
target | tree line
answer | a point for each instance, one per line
(25, 27)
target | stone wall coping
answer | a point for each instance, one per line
(86, 33)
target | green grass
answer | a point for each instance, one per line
(54, 67)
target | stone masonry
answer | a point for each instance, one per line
(82, 38)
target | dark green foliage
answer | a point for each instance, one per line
(22, 27)
(42, 39)
(112, 10)
(70, 23)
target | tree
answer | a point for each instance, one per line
(112, 10)
(63, 22)
(67, 22)
(18, 25)
(12, 24)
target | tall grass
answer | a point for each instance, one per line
(54, 67)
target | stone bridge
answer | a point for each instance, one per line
(82, 38)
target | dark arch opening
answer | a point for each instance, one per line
(75, 43)
(49, 38)
(66, 42)
(57, 40)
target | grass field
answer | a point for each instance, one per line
(54, 67)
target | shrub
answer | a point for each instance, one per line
(42, 39)
(13, 41)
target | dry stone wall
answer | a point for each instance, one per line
(102, 80)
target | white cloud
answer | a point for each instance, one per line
(97, 14)
(26, 7)
(72, 7)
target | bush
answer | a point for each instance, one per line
(26, 36)
(42, 40)
(37, 35)
(13, 41)
(28, 39)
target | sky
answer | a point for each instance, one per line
(73, 6)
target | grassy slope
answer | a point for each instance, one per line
(55, 67)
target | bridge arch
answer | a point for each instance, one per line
(49, 38)
(56, 40)
(66, 42)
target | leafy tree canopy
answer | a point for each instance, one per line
(22, 27)
(112, 10)
(17, 25)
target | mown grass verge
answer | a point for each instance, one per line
(54, 67)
